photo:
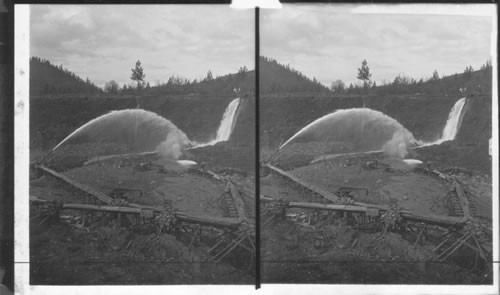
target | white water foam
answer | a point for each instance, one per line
(187, 163)
(412, 162)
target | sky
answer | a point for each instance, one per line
(329, 42)
(103, 42)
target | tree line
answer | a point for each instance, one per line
(49, 79)
(477, 81)
(178, 85)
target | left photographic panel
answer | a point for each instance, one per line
(141, 145)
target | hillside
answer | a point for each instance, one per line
(277, 78)
(47, 79)
(223, 85)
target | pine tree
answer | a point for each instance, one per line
(468, 72)
(364, 74)
(210, 76)
(435, 75)
(138, 74)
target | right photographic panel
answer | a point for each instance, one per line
(377, 144)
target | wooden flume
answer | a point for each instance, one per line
(239, 231)
(454, 224)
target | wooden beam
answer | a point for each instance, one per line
(332, 207)
(220, 222)
(445, 221)
(105, 208)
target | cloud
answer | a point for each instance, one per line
(103, 42)
(329, 41)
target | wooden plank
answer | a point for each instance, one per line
(307, 205)
(221, 222)
(86, 189)
(432, 219)
(105, 208)
(331, 207)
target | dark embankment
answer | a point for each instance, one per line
(470, 147)
(281, 117)
(52, 119)
(425, 117)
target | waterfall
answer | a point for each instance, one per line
(227, 124)
(228, 120)
(452, 124)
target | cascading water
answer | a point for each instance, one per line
(226, 124)
(362, 128)
(452, 124)
(139, 130)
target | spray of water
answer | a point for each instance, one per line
(362, 128)
(398, 145)
(139, 130)
(171, 147)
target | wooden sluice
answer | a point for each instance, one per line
(131, 208)
(319, 191)
(444, 221)
(218, 222)
(237, 232)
